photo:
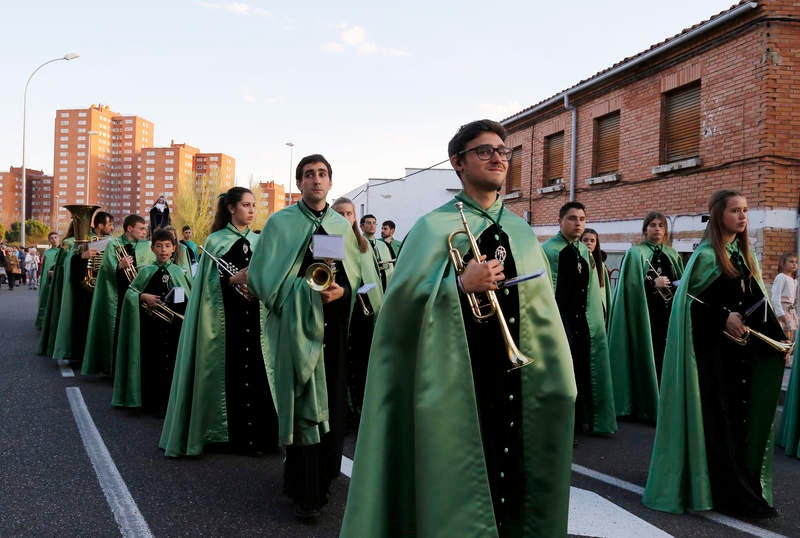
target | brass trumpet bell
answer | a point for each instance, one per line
(319, 276)
(783, 347)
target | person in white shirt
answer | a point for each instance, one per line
(32, 268)
(784, 293)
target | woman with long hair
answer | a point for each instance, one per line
(220, 392)
(637, 327)
(713, 438)
(591, 239)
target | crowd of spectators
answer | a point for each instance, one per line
(19, 266)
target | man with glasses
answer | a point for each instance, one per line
(456, 442)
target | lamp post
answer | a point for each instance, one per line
(89, 135)
(291, 156)
(68, 56)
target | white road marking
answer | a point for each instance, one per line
(130, 521)
(592, 515)
(742, 526)
(66, 371)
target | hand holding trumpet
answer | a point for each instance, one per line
(481, 276)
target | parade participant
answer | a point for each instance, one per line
(159, 214)
(48, 261)
(219, 390)
(591, 239)
(52, 312)
(387, 236)
(789, 434)
(637, 329)
(186, 232)
(122, 256)
(713, 442)
(305, 334)
(580, 304)
(149, 327)
(180, 256)
(365, 311)
(453, 442)
(74, 319)
(784, 293)
(383, 256)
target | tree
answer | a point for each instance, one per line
(35, 232)
(195, 203)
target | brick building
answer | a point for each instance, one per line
(108, 159)
(10, 193)
(712, 107)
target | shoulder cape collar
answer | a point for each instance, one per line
(494, 212)
(235, 230)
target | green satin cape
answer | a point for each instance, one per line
(47, 337)
(294, 326)
(99, 355)
(128, 366)
(369, 275)
(630, 344)
(63, 344)
(789, 436)
(419, 465)
(197, 412)
(604, 417)
(678, 477)
(48, 261)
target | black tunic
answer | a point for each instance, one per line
(359, 341)
(158, 341)
(725, 373)
(309, 470)
(81, 305)
(657, 307)
(252, 421)
(572, 288)
(498, 391)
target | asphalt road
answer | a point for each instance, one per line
(49, 486)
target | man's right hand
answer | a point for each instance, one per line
(479, 277)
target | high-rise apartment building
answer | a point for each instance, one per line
(105, 158)
(271, 195)
(11, 190)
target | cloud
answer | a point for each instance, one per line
(500, 110)
(355, 38)
(238, 8)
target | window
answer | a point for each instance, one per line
(65, 114)
(680, 127)
(64, 131)
(150, 170)
(169, 169)
(169, 153)
(150, 154)
(82, 122)
(606, 144)
(514, 180)
(554, 159)
(169, 161)
(83, 115)
(63, 146)
(64, 122)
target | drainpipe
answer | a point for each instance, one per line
(572, 146)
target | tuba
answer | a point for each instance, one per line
(81, 222)
(484, 309)
(81, 226)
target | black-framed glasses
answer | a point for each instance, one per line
(484, 152)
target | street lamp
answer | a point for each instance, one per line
(88, 177)
(68, 56)
(291, 155)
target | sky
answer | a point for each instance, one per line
(375, 88)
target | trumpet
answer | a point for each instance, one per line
(386, 264)
(491, 307)
(131, 271)
(226, 267)
(320, 275)
(160, 311)
(665, 293)
(783, 347)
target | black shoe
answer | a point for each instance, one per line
(306, 514)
